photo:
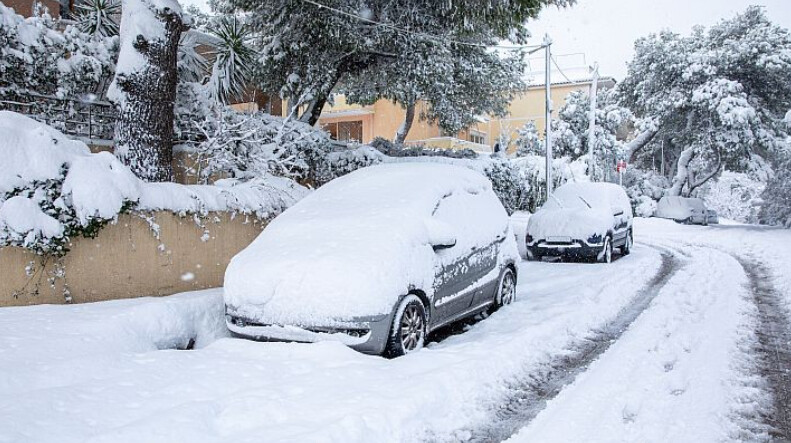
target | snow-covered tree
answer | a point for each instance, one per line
(776, 208)
(308, 48)
(457, 83)
(571, 129)
(36, 58)
(712, 100)
(529, 141)
(144, 87)
(234, 59)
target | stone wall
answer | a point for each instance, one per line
(127, 260)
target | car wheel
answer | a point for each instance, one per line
(606, 254)
(408, 332)
(627, 247)
(506, 292)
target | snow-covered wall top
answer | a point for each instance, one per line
(52, 187)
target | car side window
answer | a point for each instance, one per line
(476, 219)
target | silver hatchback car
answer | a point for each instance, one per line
(376, 260)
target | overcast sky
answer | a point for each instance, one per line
(605, 30)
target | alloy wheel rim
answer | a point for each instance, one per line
(508, 290)
(411, 328)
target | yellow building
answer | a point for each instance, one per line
(530, 106)
(347, 122)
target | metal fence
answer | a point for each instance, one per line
(93, 120)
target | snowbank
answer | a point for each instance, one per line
(356, 244)
(66, 188)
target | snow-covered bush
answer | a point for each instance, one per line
(242, 145)
(644, 189)
(53, 189)
(37, 58)
(735, 196)
(341, 162)
(391, 149)
(532, 173)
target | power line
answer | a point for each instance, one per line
(555, 62)
(436, 38)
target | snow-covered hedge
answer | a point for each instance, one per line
(53, 188)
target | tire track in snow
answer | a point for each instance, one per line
(529, 395)
(773, 347)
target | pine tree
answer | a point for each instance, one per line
(712, 100)
(309, 48)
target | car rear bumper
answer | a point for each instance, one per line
(369, 337)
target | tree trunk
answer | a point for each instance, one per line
(682, 172)
(634, 146)
(145, 89)
(403, 130)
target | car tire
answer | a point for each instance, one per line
(606, 256)
(627, 247)
(409, 328)
(506, 290)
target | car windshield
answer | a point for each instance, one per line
(567, 200)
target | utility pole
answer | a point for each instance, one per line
(592, 119)
(548, 126)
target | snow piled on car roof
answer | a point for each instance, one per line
(354, 245)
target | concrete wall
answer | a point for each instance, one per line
(126, 260)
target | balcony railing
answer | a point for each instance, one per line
(92, 120)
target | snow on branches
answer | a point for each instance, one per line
(716, 98)
(37, 58)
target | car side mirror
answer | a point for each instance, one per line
(443, 245)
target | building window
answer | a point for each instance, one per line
(477, 137)
(345, 131)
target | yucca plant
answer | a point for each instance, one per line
(234, 59)
(192, 66)
(98, 17)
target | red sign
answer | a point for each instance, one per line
(620, 166)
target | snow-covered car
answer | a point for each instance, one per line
(683, 210)
(582, 220)
(376, 259)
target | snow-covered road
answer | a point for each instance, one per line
(667, 344)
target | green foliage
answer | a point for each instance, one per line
(49, 197)
(98, 17)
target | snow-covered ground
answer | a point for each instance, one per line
(681, 371)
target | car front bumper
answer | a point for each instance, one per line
(572, 248)
(368, 336)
